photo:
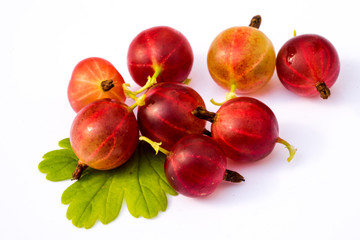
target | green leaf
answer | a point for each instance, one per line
(65, 143)
(99, 195)
(59, 164)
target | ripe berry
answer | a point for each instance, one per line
(308, 65)
(196, 165)
(92, 79)
(104, 135)
(245, 128)
(161, 51)
(242, 59)
(166, 115)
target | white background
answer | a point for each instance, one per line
(314, 197)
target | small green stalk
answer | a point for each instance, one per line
(150, 82)
(187, 81)
(292, 149)
(140, 101)
(154, 145)
(229, 95)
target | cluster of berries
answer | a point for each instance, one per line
(106, 132)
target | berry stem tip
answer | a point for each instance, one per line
(292, 149)
(80, 167)
(232, 176)
(323, 90)
(255, 22)
(154, 145)
(229, 95)
(202, 113)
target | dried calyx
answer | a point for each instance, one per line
(255, 22)
(202, 113)
(106, 85)
(323, 90)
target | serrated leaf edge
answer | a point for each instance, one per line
(70, 194)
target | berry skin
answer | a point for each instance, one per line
(92, 79)
(161, 51)
(245, 128)
(104, 135)
(166, 116)
(195, 166)
(308, 65)
(242, 58)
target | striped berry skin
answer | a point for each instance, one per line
(93, 79)
(306, 64)
(243, 57)
(166, 116)
(104, 134)
(246, 129)
(160, 47)
(195, 166)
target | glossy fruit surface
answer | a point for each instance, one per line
(161, 48)
(104, 134)
(166, 116)
(92, 79)
(308, 63)
(246, 129)
(243, 57)
(195, 165)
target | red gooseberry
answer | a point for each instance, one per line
(308, 65)
(196, 165)
(166, 114)
(92, 79)
(104, 135)
(245, 128)
(161, 52)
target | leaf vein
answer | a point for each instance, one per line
(90, 202)
(142, 191)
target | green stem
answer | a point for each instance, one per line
(154, 145)
(140, 101)
(187, 81)
(216, 103)
(292, 149)
(229, 95)
(151, 80)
